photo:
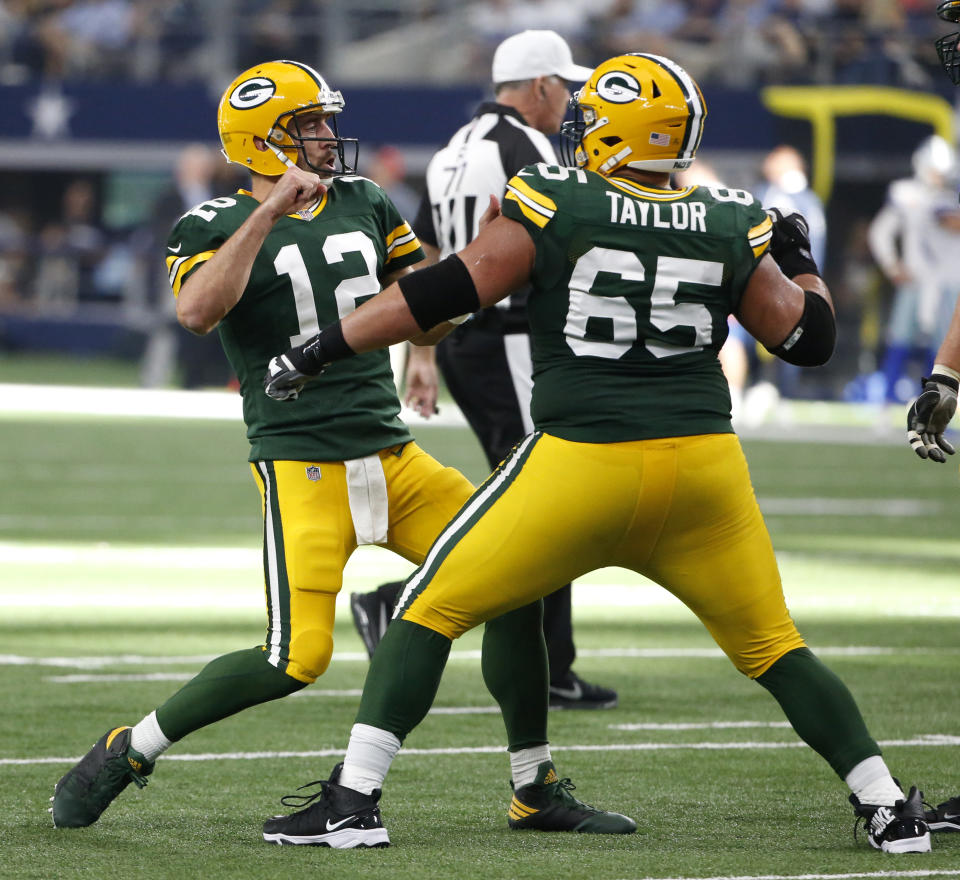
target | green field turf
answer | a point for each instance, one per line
(129, 552)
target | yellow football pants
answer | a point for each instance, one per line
(312, 512)
(680, 511)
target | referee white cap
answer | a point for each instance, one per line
(530, 54)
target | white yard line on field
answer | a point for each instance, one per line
(115, 660)
(847, 876)
(138, 403)
(931, 740)
(708, 725)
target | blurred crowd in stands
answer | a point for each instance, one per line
(882, 254)
(730, 41)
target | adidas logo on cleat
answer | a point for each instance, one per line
(546, 804)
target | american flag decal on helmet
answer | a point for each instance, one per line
(659, 140)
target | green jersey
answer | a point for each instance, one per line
(314, 268)
(632, 289)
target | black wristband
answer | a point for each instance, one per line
(941, 379)
(439, 292)
(324, 348)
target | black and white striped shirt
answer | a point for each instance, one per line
(477, 163)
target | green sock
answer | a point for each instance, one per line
(403, 677)
(517, 673)
(821, 709)
(222, 688)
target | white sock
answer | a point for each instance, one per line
(872, 783)
(525, 763)
(369, 755)
(148, 739)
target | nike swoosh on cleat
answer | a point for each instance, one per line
(574, 693)
(175, 250)
(332, 826)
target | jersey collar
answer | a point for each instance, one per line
(307, 213)
(649, 192)
(500, 110)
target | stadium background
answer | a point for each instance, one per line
(129, 526)
(108, 92)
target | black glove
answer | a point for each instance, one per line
(790, 244)
(929, 416)
(287, 373)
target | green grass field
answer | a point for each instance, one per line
(130, 554)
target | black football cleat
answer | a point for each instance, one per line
(897, 829)
(336, 817)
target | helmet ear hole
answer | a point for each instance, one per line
(611, 140)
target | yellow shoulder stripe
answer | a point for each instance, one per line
(177, 267)
(518, 184)
(402, 230)
(760, 228)
(759, 236)
(404, 248)
(528, 212)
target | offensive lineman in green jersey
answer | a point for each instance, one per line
(633, 462)
(268, 267)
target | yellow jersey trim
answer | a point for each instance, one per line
(313, 210)
(401, 241)
(528, 212)
(759, 237)
(650, 192)
(539, 201)
(179, 266)
(536, 207)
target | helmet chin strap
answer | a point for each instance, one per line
(304, 213)
(281, 155)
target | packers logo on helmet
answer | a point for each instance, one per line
(618, 87)
(636, 111)
(265, 102)
(252, 93)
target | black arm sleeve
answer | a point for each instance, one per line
(442, 291)
(812, 340)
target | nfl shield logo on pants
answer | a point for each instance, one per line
(313, 473)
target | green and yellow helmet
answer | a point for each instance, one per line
(635, 111)
(264, 102)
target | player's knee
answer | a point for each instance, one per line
(310, 654)
(756, 660)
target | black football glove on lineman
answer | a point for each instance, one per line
(287, 373)
(790, 244)
(929, 416)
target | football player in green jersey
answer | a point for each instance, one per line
(268, 267)
(633, 462)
